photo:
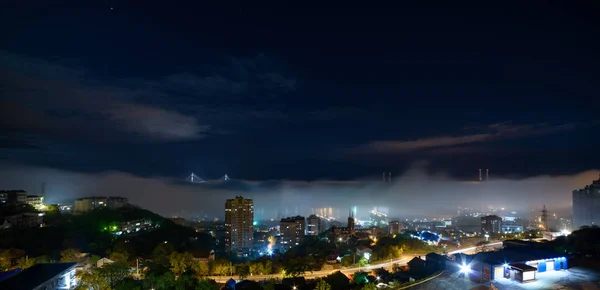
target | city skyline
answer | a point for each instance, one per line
(414, 194)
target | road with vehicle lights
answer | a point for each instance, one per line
(347, 271)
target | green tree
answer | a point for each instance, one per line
(338, 281)
(94, 259)
(322, 285)
(268, 285)
(309, 262)
(206, 284)
(161, 254)
(370, 286)
(220, 267)
(114, 272)
(127, 284)
(200, 269)
(349, 260)
(185, 282)
(120, 257)
(165, 281)
(296, 267)
(360, 278)
(268, 267)
(180, 262)
(394, 284)
(70, 255)
(25, 262)
(243, 270)
(363, 262)
(257, 268)
(91, 279)
(43, 259)
(5, 261)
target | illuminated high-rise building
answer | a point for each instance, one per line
(291, 231)
(395, 227)
(491, 224)
(586, 205)
(315, 225)
(239, 216)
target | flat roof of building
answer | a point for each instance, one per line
(35, 276)
(103, 197)
(523, 267)
(515, 255)
(292, 219)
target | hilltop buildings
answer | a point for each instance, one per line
(239, 216)
(586, 205)
(22, 220)
(93, 202)
(14, 197)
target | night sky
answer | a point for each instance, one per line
(306, 93)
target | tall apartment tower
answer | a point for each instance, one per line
(315, 225)
(586, 205)
(239, 215)
(491, 224)
(291, 231)
(545, 218)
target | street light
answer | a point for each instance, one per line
(465, 269)
(377, 278)
(294, 288)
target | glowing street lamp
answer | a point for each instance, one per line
(465, 269)
(367, 255)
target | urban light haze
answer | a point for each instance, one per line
(301, 107)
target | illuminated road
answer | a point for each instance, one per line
(318, 274)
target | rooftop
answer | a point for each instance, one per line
(416, 261)
(292, 219)
(523, 267)
(103, 197)
(515, 255)
(35, 276)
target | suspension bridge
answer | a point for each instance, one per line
(193, 178)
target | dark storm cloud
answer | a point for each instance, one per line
(493, 132)
(413, 194)
(35, 90)
(37, 93)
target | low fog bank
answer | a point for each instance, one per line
(414, 194)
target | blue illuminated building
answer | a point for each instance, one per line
(518, 263)
(429, 237)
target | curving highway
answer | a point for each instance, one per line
(318, 274)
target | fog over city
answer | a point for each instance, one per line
(414, 194)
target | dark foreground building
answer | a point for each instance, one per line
(42, 277)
